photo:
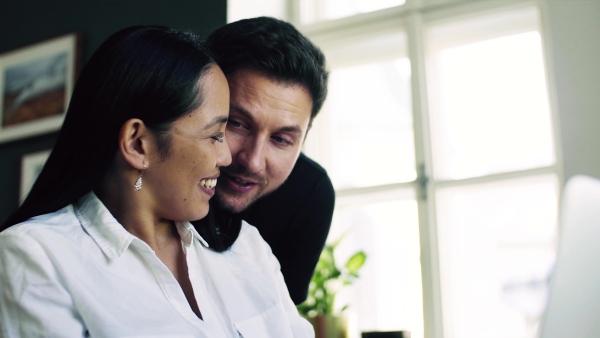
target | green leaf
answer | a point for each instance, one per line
(356, 262)
(327, 281)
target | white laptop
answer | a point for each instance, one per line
(573, 309)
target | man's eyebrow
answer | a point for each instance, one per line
(215, 121)
(241, 111)
(287, 129)
(291, 129)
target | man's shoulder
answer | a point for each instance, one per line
(305, 163)
(307, 176)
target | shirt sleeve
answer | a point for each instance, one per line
(33, 302)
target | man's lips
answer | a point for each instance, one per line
(238, 183)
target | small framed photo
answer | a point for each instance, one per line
(31, 166)
(35, 87)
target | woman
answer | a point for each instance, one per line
(103, 246)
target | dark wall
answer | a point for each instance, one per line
(24, 22)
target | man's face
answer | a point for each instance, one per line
(268, 121)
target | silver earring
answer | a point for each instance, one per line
(138, 183)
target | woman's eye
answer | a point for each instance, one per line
(219, 137)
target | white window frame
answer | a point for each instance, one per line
(413, 17)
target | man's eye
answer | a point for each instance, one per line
(280, 140)
(219, 137)
(234, 123)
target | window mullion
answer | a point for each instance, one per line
(292, 12)
(432, 313)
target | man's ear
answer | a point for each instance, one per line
(134, 143)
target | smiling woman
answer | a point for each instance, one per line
(107, 222)
(196, 153)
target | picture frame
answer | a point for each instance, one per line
(35, 86)
(31, 166)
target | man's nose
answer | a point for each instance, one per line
(252, 156)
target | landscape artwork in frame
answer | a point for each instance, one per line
(35, 86)
(31, 166)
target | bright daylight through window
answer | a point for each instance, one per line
(439, 137)
(489, 116)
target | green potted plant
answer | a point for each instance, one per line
(327, 280)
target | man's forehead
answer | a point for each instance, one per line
(243, 75)
(255, 89)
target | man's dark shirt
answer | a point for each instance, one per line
(295, 221)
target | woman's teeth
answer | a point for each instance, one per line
(209, 184)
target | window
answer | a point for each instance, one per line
(367, 116)
(312, 11)
(496, 244)
(494, 170)
(387, 296)
(488, 84)
(440, 139)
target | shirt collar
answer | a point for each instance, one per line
(100, 224)
(187, 232)
(110, 235)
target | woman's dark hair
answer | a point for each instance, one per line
(274, 47)
(145, 72)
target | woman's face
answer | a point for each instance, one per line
(182, 183)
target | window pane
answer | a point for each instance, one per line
(492, 113)
(371, 125)
(243, 9)
(496, 248)
(320, 10)
(388, 293)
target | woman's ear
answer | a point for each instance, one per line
(134, 143)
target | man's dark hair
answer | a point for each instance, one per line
(275, 48)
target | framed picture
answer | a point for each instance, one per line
(31, 166)
(35, 86)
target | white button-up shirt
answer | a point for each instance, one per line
(77, 272)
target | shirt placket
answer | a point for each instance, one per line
(200, 288)
(169, 285)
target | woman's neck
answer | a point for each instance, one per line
(132, 209)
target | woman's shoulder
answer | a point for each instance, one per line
(250, 241)
(250, 234)
(249, 230)
(32, 240)
(54, 222)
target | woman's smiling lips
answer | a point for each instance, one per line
(208, 185)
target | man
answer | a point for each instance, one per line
(278, 83)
